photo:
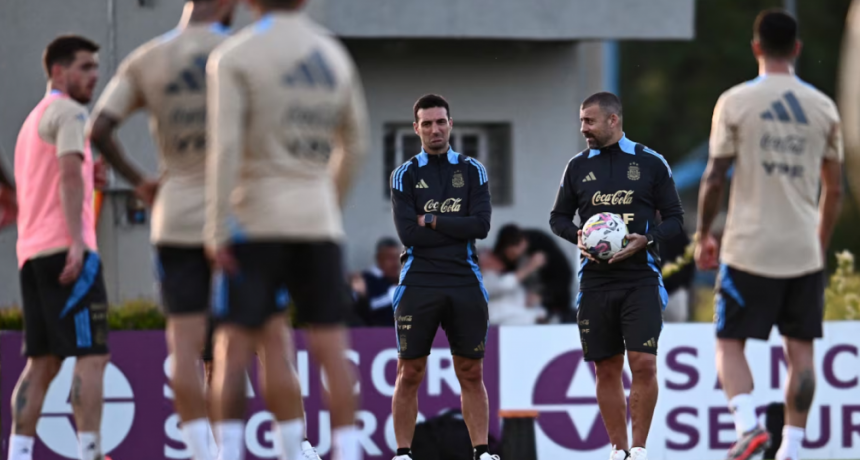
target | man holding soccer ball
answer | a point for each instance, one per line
(617, 183)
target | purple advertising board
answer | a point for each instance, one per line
(139, 422)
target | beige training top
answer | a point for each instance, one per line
(287, 125)
(779, 130)
(167, 77)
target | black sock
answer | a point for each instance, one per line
(404, 451)
(481, 450)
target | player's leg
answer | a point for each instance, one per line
(599, 321)
(239, 307)
(41, 368)
(746, 308)
(466, 325)
(800, 323)
(280, 386)
(234, 349)
(416, 315)
(316, 280)
(642, 322)
(79, 328)
(185, 283)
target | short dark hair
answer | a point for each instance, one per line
(387, 242)
(607, 101)
(776, 31)
(509, 235)
(63, 50)
(429, 101)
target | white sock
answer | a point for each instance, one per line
(345, 444)
(195, 433)
(213, 446)
(231, 439)
(21, 447)
(792, 438)
(743, 410)
(89, 446)
(289, 437)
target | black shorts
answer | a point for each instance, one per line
(271, 274)
(747, 306)
(460, 310)
(64, 320)
(612, 321)
(186, 279)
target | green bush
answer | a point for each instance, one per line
(133, 315)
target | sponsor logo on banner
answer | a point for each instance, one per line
(541, 369)
(55, 428)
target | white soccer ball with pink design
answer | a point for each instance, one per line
(604, 234)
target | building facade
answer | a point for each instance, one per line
(514, 73)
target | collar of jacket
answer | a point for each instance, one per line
(624, 145)
(424, 157)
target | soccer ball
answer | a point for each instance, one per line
(604, 235)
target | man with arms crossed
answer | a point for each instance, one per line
(783, 138)
(287, 128)
(441, 205)
(621, 301)
(65, 303)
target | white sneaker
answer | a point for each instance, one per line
(402, 457)
(308, 451)
(618, 455)
(638, 453)
(486, 456)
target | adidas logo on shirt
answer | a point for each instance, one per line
(421, 184)
(313, 72)
(590, 177)
(779, 112)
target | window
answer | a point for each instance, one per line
(489, 143)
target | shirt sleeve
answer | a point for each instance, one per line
(226, 105)
(723, 142)
(406, 219)
(122, 95)
(565, 207)
(668, 203)
(68, 122)
(477, 224)
(353, 134)
(835, 150)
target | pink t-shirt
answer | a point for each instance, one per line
(53, 129)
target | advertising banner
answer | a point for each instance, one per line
(139, 422)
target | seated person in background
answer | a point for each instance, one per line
(374, 287)
(679, 283)
(555, 279)
(510, 302)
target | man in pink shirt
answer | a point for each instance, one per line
(65, 304)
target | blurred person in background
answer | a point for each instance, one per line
(783, 138)
(8, 202)
(554, 280)
(679, 282)
(511, 303)
(374, 288)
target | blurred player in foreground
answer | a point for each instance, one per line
(287, 126)
(621, 301)
(783, 138)
(167, 76)
(65, 303)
